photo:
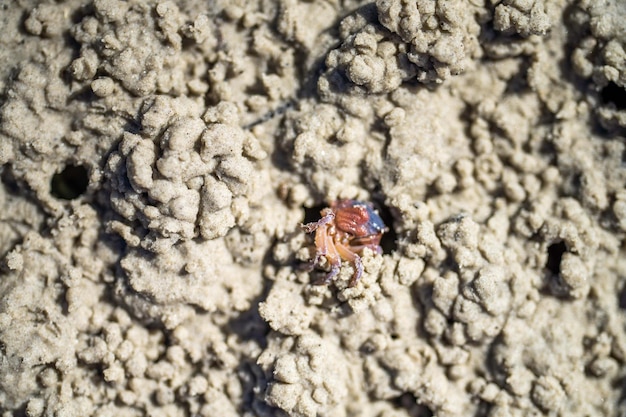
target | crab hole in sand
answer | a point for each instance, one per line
(621, 302)
(555, 253)
(614, 94)
(70, 183)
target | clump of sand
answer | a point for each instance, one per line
(158, 158)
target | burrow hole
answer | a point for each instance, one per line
(615, 94)
(555, 253)
(70, 183)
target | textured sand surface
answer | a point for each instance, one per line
(157, 159)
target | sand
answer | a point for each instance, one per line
(158, 159)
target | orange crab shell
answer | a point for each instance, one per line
(358, 219)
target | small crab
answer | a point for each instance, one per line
(345, 229)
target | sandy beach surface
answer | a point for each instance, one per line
(158, 158)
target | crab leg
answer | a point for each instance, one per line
(321, 239)
(333, 257)
(347, 254)
(328, 216)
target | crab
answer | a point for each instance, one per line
(346, 228)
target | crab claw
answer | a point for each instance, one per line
(311, 227)
(358, 271)
(334, 270)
